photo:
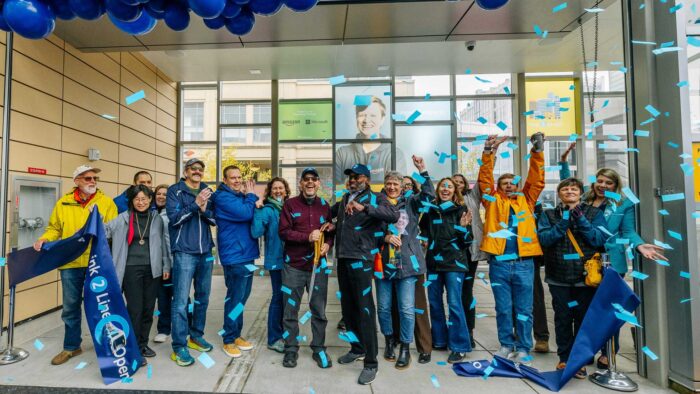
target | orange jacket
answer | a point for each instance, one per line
(498, 207)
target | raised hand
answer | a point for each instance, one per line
(565, 155)
(393, 240)
(466, 218)
(652, 252)
(419, 163)
(249, 186)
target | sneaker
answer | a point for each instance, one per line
(277, 346)
(581, 373)
(541, 346)
(199, 344)
(521, 357)
(367, 376)
(602, 362)
(322, 362)
(423, 358)
(290, 359)
(350, 357)
(160, 338)
(182, 357)
(65, 355)
(232, 350)
(456, 357)
(243, 344)
(147, 352)
(504, 352)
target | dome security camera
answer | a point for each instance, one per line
(470, 45)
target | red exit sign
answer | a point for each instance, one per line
(32, 170)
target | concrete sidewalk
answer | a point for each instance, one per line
(261, 371)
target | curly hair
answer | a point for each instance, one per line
(268, 187)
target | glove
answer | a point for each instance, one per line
(537, 140)
(577, 212)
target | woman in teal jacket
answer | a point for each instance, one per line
(619, 215)
(266, 223)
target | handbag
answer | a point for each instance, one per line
(593, 267)
(378, 265)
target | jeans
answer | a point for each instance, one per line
(165, 305)
(511, 282)
(140, 290)
(421, 332)
(567, 320)
(239, 281)
(453, 334)
(405, 292)
(186, 269)
(274, 311)
(72, 281)
(296, 281)
(357, 304)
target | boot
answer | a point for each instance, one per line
(404, 359)
(389, 354)
(471, 339)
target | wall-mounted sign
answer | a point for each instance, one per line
(305, 120)
(552, 107)
(32, 170)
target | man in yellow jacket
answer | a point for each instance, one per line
(69, 215)
(510, 239)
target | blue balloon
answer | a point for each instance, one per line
(265, 7)
(144, 24)
(177, 17)
(62, 9)
(32, 19)
(130, 2)
(88, 9)
(156, 5)
(153, 13)
(300, 5)
(122, 11)
(491, 4)
(215, 23)
(241, 2)
(231, 10)
(242, 24)
(3, 23)
(207, 8)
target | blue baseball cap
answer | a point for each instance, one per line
(359, 169)
(309, 170)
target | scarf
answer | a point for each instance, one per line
(85, 202)
(276, 204)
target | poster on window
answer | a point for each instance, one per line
(696, 173)
(552, 107)
(305, 120)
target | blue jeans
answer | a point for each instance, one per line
(186, 268)
(72, 281)
(239, 281)
(274, 311)
(512, 284)
(406, 297)
(454, 333)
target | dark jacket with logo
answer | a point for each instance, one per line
(189, 226)
(561, 269)
(448, 242)
(297, 220)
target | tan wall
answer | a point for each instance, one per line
(59, 95)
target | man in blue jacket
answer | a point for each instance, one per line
(190, 216)
(234, 207)
(140, 178)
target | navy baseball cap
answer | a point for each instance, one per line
(309, 170)
(359, 169)
(193, 161)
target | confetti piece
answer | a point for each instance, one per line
(685, 274)
(502, 125)
(593, 10)
(639, 275)
(291, 302)
(221, 332)
(434, 379)
(38, 345)
(337, 80)
(3, 260)
(573, 304)
(612, 195)
(647, 351)
(413, 117)
(305, 318)
(362, 100)
(672, 197)
(81, 365)
(233, 315)
(683, 301)
(135, 97)
(682, 84)
(149, 371)
(571, 256)
(206, 360)
(653, 111)
(559, 7)
(627, 317)
(110, 117)
(522, 317)
(366, 291)
(675, 235)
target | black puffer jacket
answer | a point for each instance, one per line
(448, 243)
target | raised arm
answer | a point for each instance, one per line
(564, 171)
(534, 184)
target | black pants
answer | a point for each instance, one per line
(568, 318)
(468, 295)
(296, 281)
(140, 290)
(357, 304)
(539, 311)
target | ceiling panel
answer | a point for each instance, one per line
(319, 24)
(196, 33)
(100, 34)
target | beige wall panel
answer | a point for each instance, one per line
(25, 128)
(33, 302)
(90, 100)
(164, 179)
(143, 107)
(23, 156)
(42, 51)
(165, 166)
(137, 159)
(166, 135)
(99, 61)
(49, 277)
(138, 56)
(134, 84)
(111, 189)
(36, 75)
(137, 122)
(31, 101)
(166, 150)
(139, 69)
(167, 89)
(116, 56)
(126, 175)
(137, 140)
(70, 161)
(2, 57)
(78, 143)
(56, 41)
(85, 121)
(166, 105)
(93, 79)
(162, 118)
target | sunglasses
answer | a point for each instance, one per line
(309, 179)
(196, 169)
(354, 176)
(90, 178)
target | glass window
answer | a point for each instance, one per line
(694, 89)
(362, 112)
(262, 136)
(304, 154)
(612, 155)
(606, 81)
(482, 116)
(612, 111)
(472, 84)
(231, 135)
(433, 143)
(304, 88)
(434, 85)
(262, 113)
(206, 153)
(199, 114)
(469, 153)
(193, 121)
(233, 113)
(246, 90)
(429, 110)
(254, 161)
(377, 156)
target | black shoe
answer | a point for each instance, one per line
(320, 362)
(367, 375)
(350, 357)
(143, 362)
(423, 358)
(147, 352)
(290, 359)
(439, 347)
(404, 359)
(471, 339)
(341, 325)
(389, 347)
(456, 357)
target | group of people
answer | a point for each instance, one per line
(410, 242)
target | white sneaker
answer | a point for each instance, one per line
(521, 357)
(160, 338)
(504, 352)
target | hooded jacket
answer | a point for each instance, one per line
(189, 227)
(234, 212)
(266, 224)
(448, 242)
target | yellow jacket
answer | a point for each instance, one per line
(69, 216)
(498, 207)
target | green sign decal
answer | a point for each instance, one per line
(307, 120)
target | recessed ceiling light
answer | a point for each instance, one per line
(255, 72)
(382, 68)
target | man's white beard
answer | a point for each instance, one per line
(89, 190)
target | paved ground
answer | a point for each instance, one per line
(261, 371)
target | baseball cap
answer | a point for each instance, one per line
(193, 161)
(309, 170)
(359, 169)
(83, 169)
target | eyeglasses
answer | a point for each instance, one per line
(353, 176)
(309, 179)
(196, 169)
(142, 199)
(90, 178)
